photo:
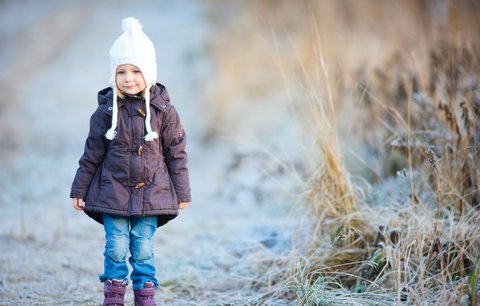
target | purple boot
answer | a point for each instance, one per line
(114, 291)
(145, 296)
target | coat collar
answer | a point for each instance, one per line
(159, 98)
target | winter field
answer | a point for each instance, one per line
(333, 146)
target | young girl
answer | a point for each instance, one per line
(133, 175)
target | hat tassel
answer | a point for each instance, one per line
(151, 135)
(111, 133)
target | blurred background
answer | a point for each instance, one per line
(275, 96)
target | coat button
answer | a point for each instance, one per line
(139, 151)
(163, 106)
(141, 112)
(110, 108)
(139, 185)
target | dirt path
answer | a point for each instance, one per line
(50, 254)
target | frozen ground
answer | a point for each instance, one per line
(53, 60)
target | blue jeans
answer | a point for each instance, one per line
(135, 234)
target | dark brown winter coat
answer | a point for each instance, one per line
(128, 176)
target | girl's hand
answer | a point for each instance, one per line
(183, 205)
(78, 204)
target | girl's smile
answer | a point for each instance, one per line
(129, 79)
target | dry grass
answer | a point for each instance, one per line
(396, 83)
(430, 254)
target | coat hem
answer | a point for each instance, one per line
(163, 215)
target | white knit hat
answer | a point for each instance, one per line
(135, 48)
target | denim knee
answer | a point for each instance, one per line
(141, 248)
(117, 247)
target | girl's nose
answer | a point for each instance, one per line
(128, 77)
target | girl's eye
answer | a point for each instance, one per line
(120, 72)
(136, 71)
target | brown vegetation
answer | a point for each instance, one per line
(397, 84)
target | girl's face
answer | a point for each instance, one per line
(129, 79)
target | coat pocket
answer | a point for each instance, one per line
(94, 188)
(159, 194)
(118, 163)
(113, 194)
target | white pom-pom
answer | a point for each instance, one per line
(110, 134)
(131, 24)
(151, 136)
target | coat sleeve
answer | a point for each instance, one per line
(174, 144)
(92, 158)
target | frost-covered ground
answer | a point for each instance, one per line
(53, 60)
